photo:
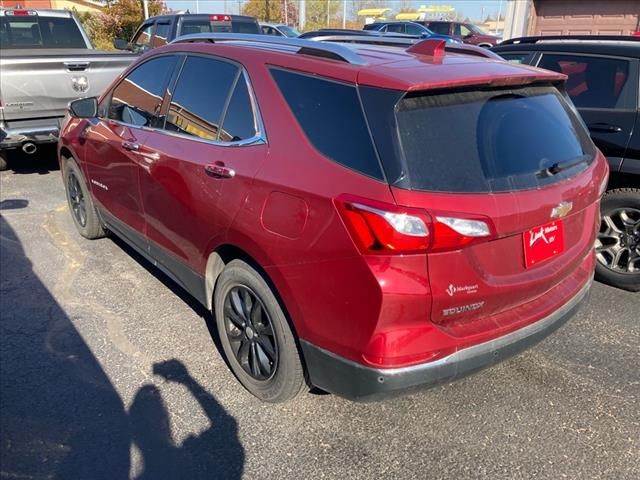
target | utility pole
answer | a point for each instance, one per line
(145, 8)
(344, 13)
(302, 12)
(328, 12)
(498, 19)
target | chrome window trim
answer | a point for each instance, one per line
(260, 138)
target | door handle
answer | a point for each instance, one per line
(604, 128)
(219, 170)
(131, 146)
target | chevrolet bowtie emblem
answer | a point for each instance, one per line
(562, 210)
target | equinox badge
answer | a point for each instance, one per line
(561, 210)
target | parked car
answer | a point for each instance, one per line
(279, 30)
(604, 82)
(463, 31)
(162, 29)
(330, 32)
(407, 28)
(46, 61)
(306, 193)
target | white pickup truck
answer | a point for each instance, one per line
(46, 60)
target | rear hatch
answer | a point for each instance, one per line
(511, 182)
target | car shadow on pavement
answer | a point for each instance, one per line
(43, 161)
(60, 415)
(176, 289)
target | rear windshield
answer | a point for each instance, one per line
(204, 25)
(32, 31)
(484, 141)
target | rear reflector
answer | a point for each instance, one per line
(383, 229)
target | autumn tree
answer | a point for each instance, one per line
(119, 19)
(277, 11)
(130, 14)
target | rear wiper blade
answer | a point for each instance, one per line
(558, 167)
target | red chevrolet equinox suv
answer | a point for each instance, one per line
(367, 220)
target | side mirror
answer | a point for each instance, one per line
(84, 107)
(121, 44)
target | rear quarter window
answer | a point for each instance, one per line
(331, 116)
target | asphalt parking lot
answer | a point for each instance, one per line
(108, 371)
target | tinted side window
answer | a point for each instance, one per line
(200, 96)
(439, 27)
(143, 38)
(516, 57)
(395, 28)
(594, 82)
(414, 30)
(138, 98)
(239, 123)
(331, 118)
(161, 34)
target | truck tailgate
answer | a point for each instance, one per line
(40, 85)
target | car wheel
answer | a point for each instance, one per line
(80, 203)
(618, 242)
(256, 338)
(4, 163)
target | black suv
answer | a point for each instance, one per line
(603, 82)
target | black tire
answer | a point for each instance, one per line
(81, 205)
(277, 350)
(618, 244)
(4, 163)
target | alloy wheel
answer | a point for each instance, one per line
(250, 332)
(77, 200)
(618, 242)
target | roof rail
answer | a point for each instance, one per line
(306, 47)
(609, 38)
(463, 49)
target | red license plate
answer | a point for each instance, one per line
(543, 242)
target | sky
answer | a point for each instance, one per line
(472, 8)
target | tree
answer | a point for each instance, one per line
(318, 11)
(119, 19)
(130, 14)
(272, 10)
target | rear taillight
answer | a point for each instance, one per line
(219, 18)
(381, 228)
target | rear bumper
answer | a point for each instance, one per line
(358, 382)
(15, 137)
